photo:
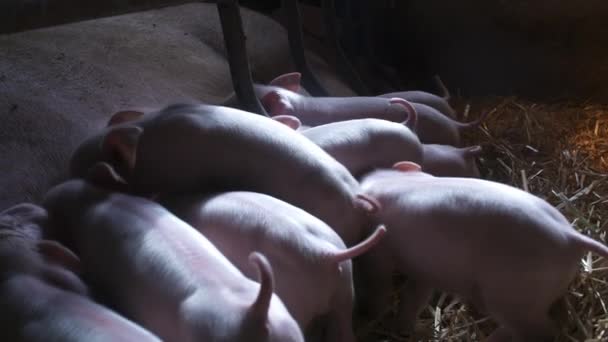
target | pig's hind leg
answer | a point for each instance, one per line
(524, 315)
(412, 299)
(374, 279)
(340, 319)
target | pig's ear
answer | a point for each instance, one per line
(369, 204)
(103, 174)
(290, 81)
(260, 307)
(472, 151)
(56, 253)
(64, 279)
(121, 143)
(407, 166)
(124, 116)
(412, 116)
(276, 103)
(289, 121)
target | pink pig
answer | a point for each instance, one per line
(189, 148)
(366, 144)
(282, 97)
(431, 126)
(510, 253)
(311, 263)
(40, 298)
(160, 272)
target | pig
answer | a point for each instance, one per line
(160, 272)
(311, 263)
(507, 251)
(450, 161)
(431, 126)
(281, 97)
(438, 102)
(214, 148)
(40, 298)
(366, 144)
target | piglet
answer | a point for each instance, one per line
(450, 161)
(431, 126)
(40, 298)
(190, 148)
(158, 271)
(365, 144)
(281, 97)
(509, 252)
(311, 263)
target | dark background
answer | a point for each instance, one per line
(539, 49)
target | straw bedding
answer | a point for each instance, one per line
(559, 152)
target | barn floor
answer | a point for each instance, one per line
(557, 151)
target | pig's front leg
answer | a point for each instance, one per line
(296, 45)
(234, 40)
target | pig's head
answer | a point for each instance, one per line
(289, 81)
(238, 318)
(281, 95)
(23, 251)
(115, 144)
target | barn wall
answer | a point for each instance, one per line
(534, 48)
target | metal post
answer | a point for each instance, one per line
(341, 62)
(234, 39)
(296, 46)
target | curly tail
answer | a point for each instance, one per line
(261, 305)
(412, 117)
(361, 247)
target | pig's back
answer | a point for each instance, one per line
(234, 150)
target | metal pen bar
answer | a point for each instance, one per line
(296, 46)
(341, 62)
(234, 39)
